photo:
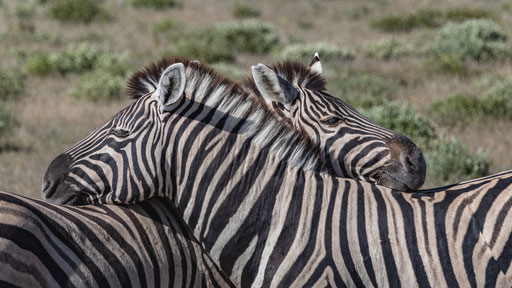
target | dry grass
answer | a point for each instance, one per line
(50, 120)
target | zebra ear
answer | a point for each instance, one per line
(171, 85)
(315, 64)
(272, 86)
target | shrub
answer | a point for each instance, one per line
(221, 42)
(156, 4)
(99, 86)
(448, 160)
(407, 22)
(247, 36)
(75, 58)
(242, 10)
(208, 49)
(12, 84)
(496, 102)
(7, 120)
(427, 18)
(363, 90)
(457, 109)
(402, 119)
(328, 52)
(387, 49)
(474, 39)
(446, 64)
(77, 10)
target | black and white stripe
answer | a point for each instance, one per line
(255, 194)
(140, 245)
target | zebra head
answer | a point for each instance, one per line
(129, 158)
(354, 146)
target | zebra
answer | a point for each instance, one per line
(139, 245)
(270, 216)
(390, 159)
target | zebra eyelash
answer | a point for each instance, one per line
(331, 121)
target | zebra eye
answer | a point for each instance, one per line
(119, 132)
(331, 121)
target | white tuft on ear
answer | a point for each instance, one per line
(272, 86)
(171, 85)
(315, 64)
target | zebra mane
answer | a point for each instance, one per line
(207, 86)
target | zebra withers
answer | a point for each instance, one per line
(140, 245)
(269, 220)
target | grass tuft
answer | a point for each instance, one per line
(427, 18)
(84, 11)
(12, 84)
(76, 58)
(242, 10)
(7, 120)
(156, 4)
(363, 90)
(99, 86)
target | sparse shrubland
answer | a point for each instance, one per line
(449, 161)
(445, 62)
(156, 4)
(75, 58)
(223, 41)
(479, 40)
(494, 102)
(99, 86)
(328, 52)
(427, 18)
(12, 84)
(387, 49)
(242, 10)
(363, 90)
(6, 120)
(77, 10)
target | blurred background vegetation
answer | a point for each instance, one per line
(437, 71)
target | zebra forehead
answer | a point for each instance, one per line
(146, 79)
(296, 73)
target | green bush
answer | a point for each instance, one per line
(207, 49)
(449, 161)
(221, 42)
(77, 10)
(474, 39)
(99, 86)
(402, 119)
(387, 49)
(363, 90)
(457, 109)
(242, 10)
(407, 22)
(12, 84)
(495, 102)
(6, 120)
(446, 64)
(157, 4)
(230, 71)
(247, 36)
(76, 58)
(305, 52)
(427, 18)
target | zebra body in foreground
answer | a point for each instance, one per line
(278, 221)
(140, 245)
